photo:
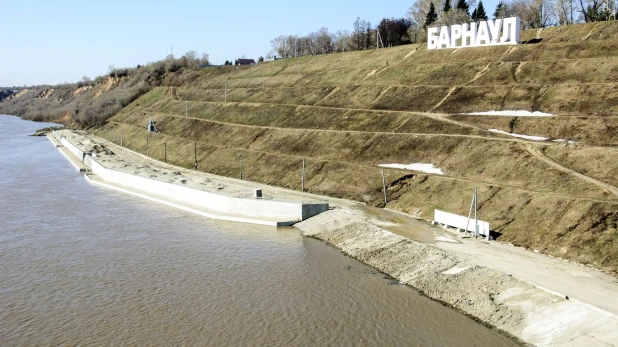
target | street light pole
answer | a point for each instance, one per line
(240, 156)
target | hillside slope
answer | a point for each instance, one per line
(342, 114)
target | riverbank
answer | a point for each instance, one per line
(495, 298)
(519, 292)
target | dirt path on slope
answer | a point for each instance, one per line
(540, 154)
(490, 136)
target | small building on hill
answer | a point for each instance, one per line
(246, 62)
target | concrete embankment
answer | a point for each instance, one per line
(107, 169)
(514, 306)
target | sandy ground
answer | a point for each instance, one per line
(460, 279)
(516, 290)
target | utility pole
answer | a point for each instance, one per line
(165, 151)
(121, 139)
(195, 153)
(240, 156)
(302, 187)
(474, 205)
(476, 219)
(384, 187)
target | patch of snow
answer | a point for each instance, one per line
(455, 270)
(427, 168)
(563, 140)
(527, 137)
(445, 239)
(512, 113)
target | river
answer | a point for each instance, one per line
(84, 265)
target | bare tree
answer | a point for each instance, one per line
(361, 36)
(454, 16)
(342, 41)
(564, 11)
(532, 13)
(324, 41)
(596, 10)
(394, 32)
(278, 45)
(417, 14)
(205, 59)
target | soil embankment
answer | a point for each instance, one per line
(512, 305)
(342, 115)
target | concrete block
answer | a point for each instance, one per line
(460, 222)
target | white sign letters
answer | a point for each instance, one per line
(483, 33)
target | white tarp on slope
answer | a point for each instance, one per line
(428, 168)
(511, 113)
(527, 137)
(457, 221)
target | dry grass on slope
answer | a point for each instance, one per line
(345, 113)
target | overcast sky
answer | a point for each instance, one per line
(51, 42)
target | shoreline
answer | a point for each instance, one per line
(514, 306)
(462, 274)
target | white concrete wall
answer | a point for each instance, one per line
(76, 151)
(217, 202)
(288, 210)
(457, 221)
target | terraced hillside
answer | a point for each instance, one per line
(342, 114)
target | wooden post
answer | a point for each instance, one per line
(384, 187)
(165, 151)
(240, 155)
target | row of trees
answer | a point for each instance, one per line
(91, 106)
(422, 13)
(392, 32)
(532, 13)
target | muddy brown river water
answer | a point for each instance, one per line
(82, 265)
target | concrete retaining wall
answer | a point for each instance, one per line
(271, 209)
(460, 222)
(76, 151)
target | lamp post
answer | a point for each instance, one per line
(240, 157)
